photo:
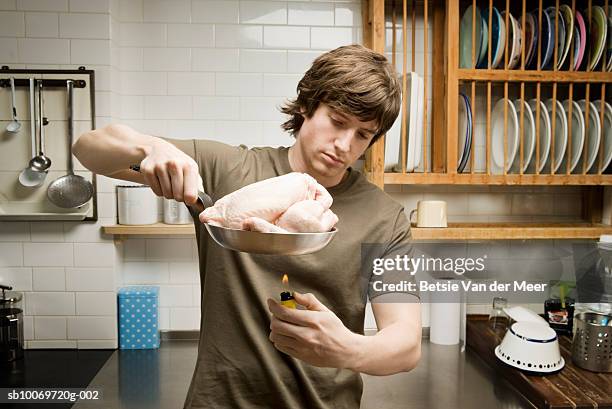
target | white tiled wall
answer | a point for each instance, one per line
(214, 69)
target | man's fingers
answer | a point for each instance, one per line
(309, 301)
(190, 184)
(287, 329)
(164, 181)
(281, 339)
(288, 350)
(294, 316)
(176, 181)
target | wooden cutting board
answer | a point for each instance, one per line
(572, 387)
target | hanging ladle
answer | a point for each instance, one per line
(40, 162)
(70, 190)
(29, 177)
(14, 126)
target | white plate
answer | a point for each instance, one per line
(593, 134)
(560, 136)
(418, 140)
(607, 134)
(465, 126)
(544, 135)
(577, 145)
(528, 137)
(393, 139)
(497, 143)
(393, 143)
(514, 40)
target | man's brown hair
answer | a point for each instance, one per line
(351, 79)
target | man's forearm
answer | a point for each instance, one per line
(113, 148)
(390, 351)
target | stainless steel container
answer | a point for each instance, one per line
(592, 344)
(176, 212)
(11, 325)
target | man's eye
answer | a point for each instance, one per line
(363, 136)
(335, 121)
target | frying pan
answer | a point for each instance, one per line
(287, 244)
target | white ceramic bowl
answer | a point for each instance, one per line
(531, 347)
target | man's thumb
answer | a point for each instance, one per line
(309, 301)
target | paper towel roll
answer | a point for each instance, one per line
(446, 313)
(445, 323)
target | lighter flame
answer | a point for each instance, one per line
(285, 281)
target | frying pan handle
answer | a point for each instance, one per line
(204, 201)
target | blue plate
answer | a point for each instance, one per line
(496, 23)
(467, 147)
(548, 31)
(482, 58)
(548, 64)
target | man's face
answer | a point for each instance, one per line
(330, 141)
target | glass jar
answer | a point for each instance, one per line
(498, 319)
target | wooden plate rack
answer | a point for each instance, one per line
(448, 80)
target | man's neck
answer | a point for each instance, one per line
(297, 163)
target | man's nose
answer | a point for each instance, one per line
(343, 141)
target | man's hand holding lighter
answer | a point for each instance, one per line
(314, 335)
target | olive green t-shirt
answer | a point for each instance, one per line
(237, 365)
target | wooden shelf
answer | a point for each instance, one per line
(512, 231)
(157, 229)
(482, 179)
(533, 76)
(455, 231)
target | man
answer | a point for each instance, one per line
(253, 352)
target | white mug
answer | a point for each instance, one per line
(430, 213)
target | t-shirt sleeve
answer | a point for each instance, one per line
(215, 160)
(395, 277)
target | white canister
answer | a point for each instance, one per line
(176, 212)
(137, 205)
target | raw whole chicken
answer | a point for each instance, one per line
(294, 202)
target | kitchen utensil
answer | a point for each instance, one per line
(497, 165)
(176, 212)
(11, 325)
(606, 134)
(568, 19)
(544, 135)
(522, 314)
(288, 244)
(137, 205)
(560, 135)
(592, 344)
(576, 44)
(14, 126)
(577, 123)
(528, 137)
(40, 162)
(464, 140)
(598, 29)
(430, 213)
(594, 133)
(531, 347)
(70, 190)
(583, 40)
(465, 38)
(29, 177)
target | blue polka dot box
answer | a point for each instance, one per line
(138, 317)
